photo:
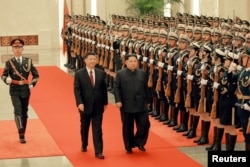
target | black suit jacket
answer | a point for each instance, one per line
(131, 90)
(93, 98)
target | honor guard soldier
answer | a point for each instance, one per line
(170, 82)
(227, 41)
(214, 75)
(204, 104)
(160, 85)
(243, 93)
(15, 74)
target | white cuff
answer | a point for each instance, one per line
(160, 64)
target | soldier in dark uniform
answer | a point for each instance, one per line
(243, 93)
(170, 86)
(227, 114)
(15, 74)
(214, 75)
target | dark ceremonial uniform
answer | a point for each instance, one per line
(20, 89)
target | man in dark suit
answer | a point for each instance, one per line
(15, 74)
(91, 99)
(132, 97)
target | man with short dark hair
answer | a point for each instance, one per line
(15, 74)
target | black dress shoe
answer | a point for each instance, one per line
(84, 149)
(141, 148)
(99, 155)
(129, 151)
(22, 139)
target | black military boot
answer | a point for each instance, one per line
(181, 121)
(247, 146)
(171, 111)
(232, 142)
(192, 133)
(217, 145)
(67, 64)
(214, 140)
(156, 107)
(73, 63)
(173, 122)
(19, 124)
(191, 119)
(227, 137)
(184, 125)
(204, 134)
(161, 112)
(165, 112)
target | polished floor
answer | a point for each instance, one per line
(55, 58)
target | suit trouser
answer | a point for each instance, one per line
(96, 130)
(142, 125)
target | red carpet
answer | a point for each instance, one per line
(39, 142)
(53, 100)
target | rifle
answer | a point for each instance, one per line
(123, 55)
(105, 64)
(145, 64)
(102, 50)
(177, 98)
(111, 63)
(151, 69)
(189, 87)
(168, 87)
(202, 102)
(98, 46)
(160, 70)
(216, 96)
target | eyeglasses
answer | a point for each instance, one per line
(17, 47)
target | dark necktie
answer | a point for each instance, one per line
(91, 78)
(19, 61)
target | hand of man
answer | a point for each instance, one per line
(215, 85)
(190, 77)
(118, 104)
(232, 67)
(203, 81)
(246, 107)
(81, 107)
(31, 86)
(8, 80)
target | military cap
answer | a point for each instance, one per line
(163, 33)
(198, 23)
(147, 32)
(231, 56)
(190, 22)
(179, 14)
(150, 23)
(207, 48)
(189, 28)
(172, 19)
(240, 36)
(181, 27)
(236, 27)
(125, 27)
(140, 30)
(202, 17)
(190, 16)
(238, 21)
(225, 26)
(216, 32)
(248, 37)
(216, 19)
(209, 18)
(222, 20)
(156, 24)
(133, 29)
(183, 38)
(194, 45)
(227, 35)
(245, 22)
(17, 41)
(220, 53)
(163, 25)
(155, 32)
(245, 28)
(197, 30)
(185, 14)
(229, 21)
(207, 30)
(205, 24)
(173, 35)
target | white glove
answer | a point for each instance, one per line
(144, 59)
(232, 67)
(151, 61)
(190, 77)
(170, 68)
(138, 56)
(203, 67)
(30, 86)
(179, 72)
(178, 60)
(246, 107)
(215, 85)
(8, 80)
(160, 64)
(203, 81)
(123, 53)
(239, 67)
